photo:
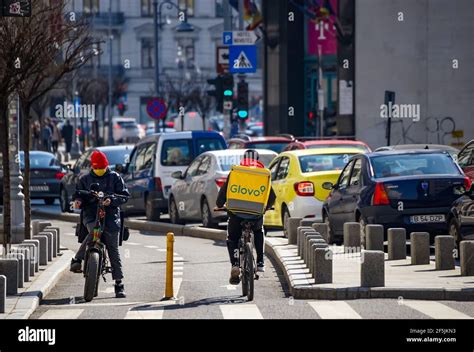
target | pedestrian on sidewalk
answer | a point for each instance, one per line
(109, 182)
(46, 134)
(35, 133)
(55, 137)
(67, 133)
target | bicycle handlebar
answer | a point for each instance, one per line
(104, 194)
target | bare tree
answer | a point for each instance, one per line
(48, 48)
(201, 101)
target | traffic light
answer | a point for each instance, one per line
(243, 100)
(310, 129)
(218, 92)
(228, 86)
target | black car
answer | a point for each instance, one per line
(116, 155)
(46, 173)
(461, 218)
(409, 189)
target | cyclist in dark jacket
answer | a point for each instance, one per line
(234, 227)
(109, 182)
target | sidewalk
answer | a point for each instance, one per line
(22, 305)
(402, 280)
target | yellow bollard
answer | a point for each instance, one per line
(169, 265)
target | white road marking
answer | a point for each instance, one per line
(155, 313)
(178, 273)
(334, 310)
(161, 250)
(152, 247)
(69, 234)
(435, 310)
(62, 314)
(178, 259)
(133, 243)
(230, 287)
(240, 311)
(107, 290)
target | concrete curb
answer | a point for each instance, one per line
(301, 285)
(139, 225)
(25, 303)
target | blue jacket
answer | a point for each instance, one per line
(110, 182)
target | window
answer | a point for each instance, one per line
(147, 8)
(205, 165)
(176, 152)
(188, 6)
(205, 145)
(323, 162)
(356, 177)
(414, 164)
(219, 8)
(276, 147)
(90, 6)
(274, 168)
(344, 178)
(283, 169)
(148, 157)
(140, 160)
(193, 168)
(465, 158)
(148, 58)
(186, 52)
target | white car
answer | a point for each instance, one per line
(125, 130)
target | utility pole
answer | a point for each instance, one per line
(241, 76)
(157, 68)
(110, 134)
(227, 27)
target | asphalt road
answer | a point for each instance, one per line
(202, 289)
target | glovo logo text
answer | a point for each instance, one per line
(247, 191)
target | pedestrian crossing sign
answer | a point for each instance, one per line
(242, 58)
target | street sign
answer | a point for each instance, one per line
(222, 59)
(228, 105)
(243, 59)
(239, 38)
(16, 8)
(156, 108)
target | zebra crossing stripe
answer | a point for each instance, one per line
(240, 311)
(62, 314)
(435, 310)
(334, 310)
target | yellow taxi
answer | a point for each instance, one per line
(297, 178)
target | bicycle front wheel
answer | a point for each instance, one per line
(92, 276)
(249, 270)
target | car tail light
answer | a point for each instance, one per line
(117, 126)
(59, 175)
(220, 181)
(380, 195)
(158, 185)
(304, 189)
(467, 183)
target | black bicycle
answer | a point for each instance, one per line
(248, 268)
(96, 263)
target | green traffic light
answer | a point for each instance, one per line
(228, 93)
(243, 114)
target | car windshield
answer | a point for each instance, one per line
(413, 164)
(361, 147)
(117, 156)
(323, 162)
(227, 161)
(127, 124)
(176, 152)
(276, 147)
(39, 160)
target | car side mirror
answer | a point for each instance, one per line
(328, 186)
(177, 174)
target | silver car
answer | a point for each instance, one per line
(194, 193)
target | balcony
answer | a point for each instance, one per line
(101, 19)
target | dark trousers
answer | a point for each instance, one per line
(234, 232)
(111, 241)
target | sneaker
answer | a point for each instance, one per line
(234, 275)
(76, 266)
(119, 291)
(260, 267)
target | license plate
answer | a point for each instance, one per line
(421, 219)
(39, 188)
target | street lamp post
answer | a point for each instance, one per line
(184, 26)
(110, 133)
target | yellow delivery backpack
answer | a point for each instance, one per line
(248, 189)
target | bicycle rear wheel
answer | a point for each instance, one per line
(249, 270)
(92, 276)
